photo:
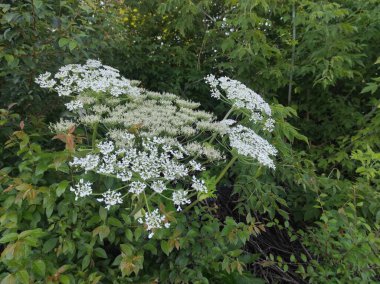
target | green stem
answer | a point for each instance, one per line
(224, 171)
(191, 205)
(221, 175)
(146, 202)
(94, 133)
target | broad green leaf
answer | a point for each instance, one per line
(63, 42)
(39, 267)
(9, 238)
(100, 252)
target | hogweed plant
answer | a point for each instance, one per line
(155, 147)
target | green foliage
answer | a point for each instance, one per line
(38, 35)
(45, 239)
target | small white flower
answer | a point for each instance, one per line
(44, 81)
(88, 163)
(195, 166)
(198, 185)
(158, 186)
(62, 126)
(74, 105)
(180, 198)
(153, 221)
(81, 189)
(269, 125)
(137, 187)
(111, 198)
(106, 147)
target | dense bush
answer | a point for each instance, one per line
(315, 218)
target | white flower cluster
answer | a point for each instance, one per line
(76, 78)
(111, 198)
(74, 105)
(153, 221)
(180, 198)
(198, 185)
(149, 162)
(62, 126)
(150, 143)
(44, 80)
(242, 97)
(248, 143)
(81, 189)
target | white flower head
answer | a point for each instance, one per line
(153, 221)
(111, 198)
(106, 147)
(137, 187)
(158, 186)
(44, 80)
(198, 185)
(180, 198)
(87, 163)
(248, 143)
(195, 166)
(81, 189)
(74, 105)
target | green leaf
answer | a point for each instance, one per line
(37, 4)
(22, 277)
(64, 279)
(63, 42)
(9, 279)
(166, 248)
(127, 249)
(115, 222)
(129, 234)
(41, 168)
(9, 58)
(100, 252)
(103, 231)
(9, 238)
(103, 213)
(72, 45)
(49, 245)
(86, 262)
(61, 187)
(39, 267)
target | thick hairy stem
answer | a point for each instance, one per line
(226, 168)
(221, 175)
